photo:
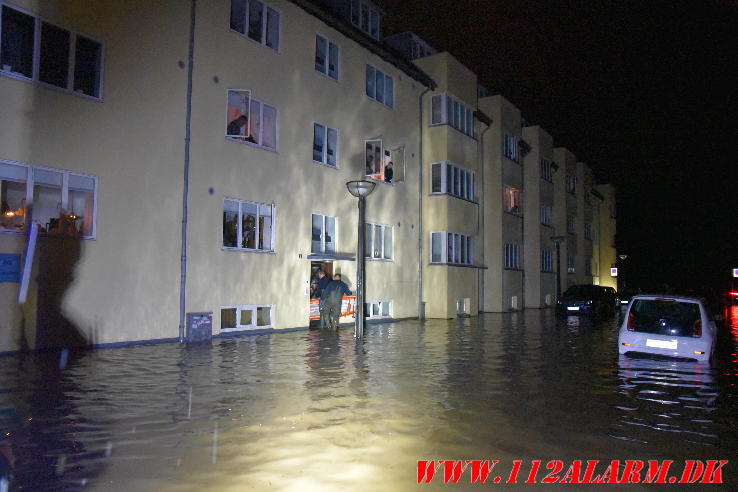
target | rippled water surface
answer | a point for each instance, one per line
(321, 411)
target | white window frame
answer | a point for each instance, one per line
(328, 45)
(547, 215)
(65, 174)
(249, 307)
(379, 304)
(324, 151)
(465, 253)
(239, 222)
(510, 147)
(546, 170)
(450, 189)
(322, 234)
(371, 12)
(571, 224)
(571, 264)
(571, 184)
(547, 261)
(263, 40)
(512, 197)
(511, 260)
(369, 254)
(36, 57)
(377, 74)
(453, 113)
(255, 141)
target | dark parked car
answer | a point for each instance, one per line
(586, 299)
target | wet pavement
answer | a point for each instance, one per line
(321, 411)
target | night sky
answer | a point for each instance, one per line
(644, 92)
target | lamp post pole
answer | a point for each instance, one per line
(557, 241)
(360, 189)
(621, 272)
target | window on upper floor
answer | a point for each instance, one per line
(378, 241)
(326, 57)
(63, 201)
(588, 266)
(546, 170)
(570, 262)
(250, 121)
(447, 110)
(36, 50)
(248, 226)
(588, 230)
(571, 224)
(512, 256)
(447, 178)
(257, 20)
(546, 260)
(382, 164)
(512, 201)
(511, 147)
(571, 183)
(379, 86)
(367, 18)
(546, 215)
(450, 247)
(323, 234)
(325, 145)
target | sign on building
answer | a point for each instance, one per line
(10, 268)
(613, 272)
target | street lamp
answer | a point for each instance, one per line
(621, 272)
(360, 189)
(557, 241)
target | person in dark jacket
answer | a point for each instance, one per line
(331, 299)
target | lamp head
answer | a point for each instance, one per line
(360, 189)
(557, 239)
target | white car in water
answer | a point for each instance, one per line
(671, 326)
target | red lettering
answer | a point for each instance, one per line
(513, 478)
(572, 474)
(480, 470)
(555, 466)
(452, 470)
(535, 465)
(657, 471)
(591, 465)
(712, 474)
(610, 475)
(427, 470)
(693, 470)
(631, 473)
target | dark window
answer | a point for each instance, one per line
(17, 42)
(54, 61)
(87, 66)
(665, 317)
(256, 13)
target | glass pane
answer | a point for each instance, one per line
(269, 127)
(380, 86)
(368, 240)
(265, 227)
(449, 179)
(317, 234)
(374, 25)
(333, 60)
(370, 81)
(332, 147)
(456, 181)
(238, 113)
(320, 48)
(364, 18)
(81, 203)
(436, 177)
(230, 223)
(369, 159)
(463, 183)
(436, 109)
(355, 12)
(255, 117)
(388, 243)
(256, 14)
(17, 42)
(272, 34)
(389, 98)
(248, 225)
(450, 248)
(47, 199)
(457, 248)
(228, 318)
(238, 16)
(247, 317)
(463, 250)
(378, 241)
(87, 66)
(377, 161)
(12, 196)
(469, 251)
(436, 246)
(54, 56)
(375, 309)
(330, 235)
(469, 194)
(385, 308)
(318, 142)
(263, 316)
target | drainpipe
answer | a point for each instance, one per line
(522, 228)
(480, 220)
(186, 172)
(421, 311)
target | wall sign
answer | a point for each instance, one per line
(9, 268)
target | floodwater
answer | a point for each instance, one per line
(313, 410)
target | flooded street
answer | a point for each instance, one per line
(321, 411)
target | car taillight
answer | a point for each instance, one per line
(631, 322)
(697, 328)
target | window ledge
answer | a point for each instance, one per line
(391, 108)
(250, 144)
(245, 329)
(337, 81)
(335, 168)
(385, 260)
(436, 193)
(245, 36)
(550, 226)
(513, 214)
(245, 250)
(460, 265)
(38, 83)
(513, 269)
(381, 181)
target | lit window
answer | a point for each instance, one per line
(513, 200)
(250, 121)
(256, 20)
(378, 241)
(248, 225)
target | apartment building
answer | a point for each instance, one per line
(177, 160)
(604, 242)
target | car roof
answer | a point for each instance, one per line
(669, 296)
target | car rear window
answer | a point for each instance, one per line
(665, 317)
(583, 290)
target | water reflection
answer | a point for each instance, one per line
(321, 411)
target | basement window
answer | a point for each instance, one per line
(248, 317)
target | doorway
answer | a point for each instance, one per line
(327, 267)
